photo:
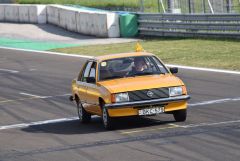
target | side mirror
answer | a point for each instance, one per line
(174, 70)
(91, 80)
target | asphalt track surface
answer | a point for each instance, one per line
(34, 87)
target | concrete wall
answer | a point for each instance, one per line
(2, 8)
(96, 23)
(23, 13)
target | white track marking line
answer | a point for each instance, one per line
(22, 125)
(45, 122)
(204, 69)
(214, 102)
(32, 95)
(8, 70)
(84, 56)
(208, 124)
(57, 95)
(47, 52)
(37, 96)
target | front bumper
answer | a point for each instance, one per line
(148, 102)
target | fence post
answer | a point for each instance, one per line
(229, 6)
(204, 6)
(170, 6)
(191, 6)
(141, 5)
(158, 2)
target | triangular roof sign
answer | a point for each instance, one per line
(139, 48)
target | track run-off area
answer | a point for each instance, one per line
(38, 122)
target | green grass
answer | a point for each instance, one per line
(89, 3)
(223, 54)
(149, 5)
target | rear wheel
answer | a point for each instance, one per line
(107, 120)
(84, 116)
(180, 115)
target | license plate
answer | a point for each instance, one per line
(151, 111)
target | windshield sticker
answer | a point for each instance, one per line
(103, 64)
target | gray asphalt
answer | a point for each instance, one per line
(51, 33)
(211, 132)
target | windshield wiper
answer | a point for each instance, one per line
(147, 73)
(113, 77)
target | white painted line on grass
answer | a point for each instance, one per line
(209, 124)
(89, 57)
(23, 125)
(8, 70)
(204, 69)
(203, 103)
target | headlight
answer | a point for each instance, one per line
(175, 91)
(121, 97)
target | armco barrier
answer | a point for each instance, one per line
(190, 25)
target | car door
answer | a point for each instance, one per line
(82, 84)
(93, 91)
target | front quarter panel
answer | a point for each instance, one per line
(105, 94)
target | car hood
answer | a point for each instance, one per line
(140, 83)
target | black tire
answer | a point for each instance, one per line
(107, 120)
(180, 115)
(84, 116)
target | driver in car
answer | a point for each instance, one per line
(140, 66)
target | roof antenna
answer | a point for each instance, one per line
(139, 48)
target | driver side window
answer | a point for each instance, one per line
(84, 74)
(89, 73)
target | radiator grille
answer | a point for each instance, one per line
(148, 94)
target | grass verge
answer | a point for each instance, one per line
(222, 54)
(149, 5)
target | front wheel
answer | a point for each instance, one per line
(84, 116)
(107, 120)
(180, 115)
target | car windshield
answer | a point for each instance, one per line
(130, 67)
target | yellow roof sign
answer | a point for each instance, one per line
(139, 48)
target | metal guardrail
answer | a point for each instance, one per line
(189, 25)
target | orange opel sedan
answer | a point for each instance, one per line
(128, 84)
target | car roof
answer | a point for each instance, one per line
(122, 55)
